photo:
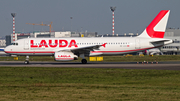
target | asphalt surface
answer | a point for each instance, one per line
(121, 65)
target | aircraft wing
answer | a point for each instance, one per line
(85, 49)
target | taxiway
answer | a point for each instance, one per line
(122, 65)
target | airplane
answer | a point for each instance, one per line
(67, 49)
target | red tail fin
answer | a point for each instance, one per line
(156, 28)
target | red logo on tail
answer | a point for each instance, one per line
(150, 30)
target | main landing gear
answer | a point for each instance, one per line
(84, 61)
(27, 60)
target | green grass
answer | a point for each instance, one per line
(89, 84)
(134, 58)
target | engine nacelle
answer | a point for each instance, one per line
(64, 56)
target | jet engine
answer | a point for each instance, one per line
(65, 56)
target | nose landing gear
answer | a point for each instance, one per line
(27, 60)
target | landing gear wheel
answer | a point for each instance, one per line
(84, 61)
(26, 62)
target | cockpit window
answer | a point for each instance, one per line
(14, 44)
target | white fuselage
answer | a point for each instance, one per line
(113, 45)
(66, 49)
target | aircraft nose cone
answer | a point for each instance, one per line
(6, 49)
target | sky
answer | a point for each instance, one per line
(131, 16)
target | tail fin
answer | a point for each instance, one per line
(157, 27)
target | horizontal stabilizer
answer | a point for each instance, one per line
(159, 41)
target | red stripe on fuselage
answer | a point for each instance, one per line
(29, 52)
(63, 58)
(123, 51)
(13, 52)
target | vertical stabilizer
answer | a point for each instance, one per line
(157, 27)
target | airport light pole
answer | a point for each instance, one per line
(13, 15)
(113, 9)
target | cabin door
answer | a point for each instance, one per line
(26, 44)
(137, 46)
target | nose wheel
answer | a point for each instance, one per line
(27, 60)
(84, 61)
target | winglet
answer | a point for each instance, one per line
(157, 27)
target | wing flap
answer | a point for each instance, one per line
(85, 49)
